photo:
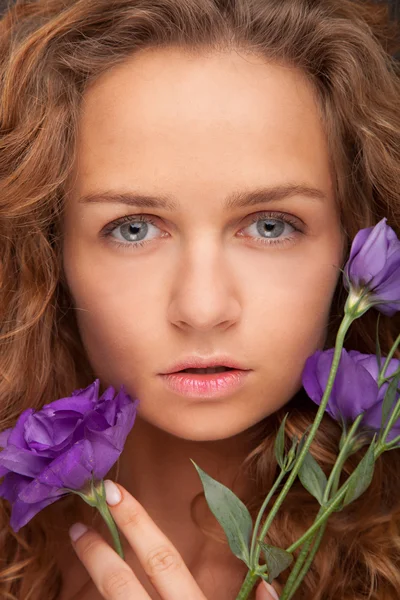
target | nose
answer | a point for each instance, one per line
(205, 294)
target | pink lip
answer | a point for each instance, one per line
(198, 362)
(213, 385)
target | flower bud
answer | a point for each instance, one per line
(372, 273)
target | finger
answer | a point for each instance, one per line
(111, 575)
(160, 560)
(265, 591)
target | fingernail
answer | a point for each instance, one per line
(113, 495)
(271, 590)
(76, 531)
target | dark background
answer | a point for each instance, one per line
(394, 12)
(394, 8)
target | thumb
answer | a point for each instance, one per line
(265, 591)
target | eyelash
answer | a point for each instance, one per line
(108, 229)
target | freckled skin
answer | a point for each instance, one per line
(199, 128)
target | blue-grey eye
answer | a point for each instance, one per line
(134, 231)
(271, 227)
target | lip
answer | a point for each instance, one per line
(199, 362)
(214, 385)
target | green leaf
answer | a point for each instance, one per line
(362, 476)
(340, 507)
(231, 514)
(289, 460)
(277, 560)
(389, 400)
(342, 439)
(361, 439)
(344, 431)
(279, 445)
(312, 477)
(302, 440)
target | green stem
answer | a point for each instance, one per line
(291, 582)
(385, 379)
(296, 576)
(252, 575)
(319, 524)
(282, 474)
(249, 582)
(328, 509)
(103, 509)
(345, 324)
(95, 495)
(389, 357)
(341, 459)
(392, 443)
(378, 451)
(310, 558)
(393, 417)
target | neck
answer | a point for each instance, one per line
(155, 468)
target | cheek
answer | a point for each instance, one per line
(294, 312)
(121, 310)
(111, 311)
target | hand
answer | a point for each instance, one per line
(162, 563)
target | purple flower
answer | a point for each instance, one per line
(355, 389)
(61, 446)
(374, 267)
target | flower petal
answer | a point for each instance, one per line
(4, 435)
(12, 485)
(72, 469)
(17, 435)
(310, 382)
(22, 461)
(22, 513)
(354, 389)
(90, 393)
(371, 255)
(62, 446)
(108, 445)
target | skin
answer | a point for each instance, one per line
(161, 562)
(198, 129)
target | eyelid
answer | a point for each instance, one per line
(287, 217)
(297, 224)
(295, 221)
(107, 229)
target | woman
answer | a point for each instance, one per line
(180, 181)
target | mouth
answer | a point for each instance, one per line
(208, 382)
(206, 365)
(207, 371)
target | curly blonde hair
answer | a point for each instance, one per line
(50, 51)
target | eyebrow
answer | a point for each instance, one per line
(234, 201)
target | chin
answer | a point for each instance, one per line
(207, 431)
(205, 436)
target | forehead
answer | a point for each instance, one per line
(168, 117)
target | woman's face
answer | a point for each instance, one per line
(201, 275)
